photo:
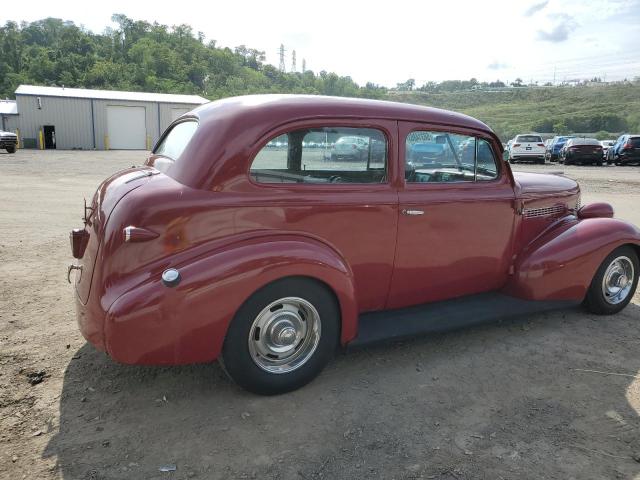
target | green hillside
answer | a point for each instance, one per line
(607, 109)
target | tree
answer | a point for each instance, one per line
(138, 55)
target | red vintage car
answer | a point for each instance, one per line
(245, 238)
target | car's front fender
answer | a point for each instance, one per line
(155, 324)
(561, 263)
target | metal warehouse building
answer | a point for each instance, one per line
(75, 118)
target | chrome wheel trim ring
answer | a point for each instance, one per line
(618, 280)
(284, 335)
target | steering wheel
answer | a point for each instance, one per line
(335, 179)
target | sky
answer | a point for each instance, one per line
(387, 43)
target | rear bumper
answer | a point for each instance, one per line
(584, 157)
(527, 156)
(629, 158)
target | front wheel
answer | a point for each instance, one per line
(11, 149)
(614, 283)
(282, 337)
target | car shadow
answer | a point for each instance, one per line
(512, 400)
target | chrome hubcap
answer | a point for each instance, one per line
(618, 280)
(284, 335)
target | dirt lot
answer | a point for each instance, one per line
(500, 401)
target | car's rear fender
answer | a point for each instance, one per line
(155, 324)
(560, 264)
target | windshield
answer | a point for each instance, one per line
(529, 139)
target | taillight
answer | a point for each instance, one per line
(516, 144)
(79, 238)
(541, 144)
(628, 145)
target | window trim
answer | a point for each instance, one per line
(374, 124)
(415, 127)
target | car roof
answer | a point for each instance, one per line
(288, 107)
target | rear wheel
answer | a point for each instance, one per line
(282, 337)
(614, 283)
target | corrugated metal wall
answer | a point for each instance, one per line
(72, 119)
(70, 116)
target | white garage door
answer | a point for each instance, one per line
(176, 112)
(126, 127)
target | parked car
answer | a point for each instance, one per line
(425, 153)
(350, 148)
(581, 151)
(220, 247)
(626, 150)
(528, 148)
(8, 141)
(552, 153)
(605, 146)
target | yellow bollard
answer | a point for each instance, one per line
(18, 135)
(148, 142)
(106, 142)
(41, 138)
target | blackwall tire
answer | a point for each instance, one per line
(614, 283)
(282, 336)
(11, 149)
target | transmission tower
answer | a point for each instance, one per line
(293, 60)
(304, 65)
(281, 53)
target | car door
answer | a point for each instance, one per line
(456, 217)
(348, 202)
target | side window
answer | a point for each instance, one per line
(176, 140)
(323, 155)
(442, 157)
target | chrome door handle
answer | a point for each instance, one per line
(413, 212)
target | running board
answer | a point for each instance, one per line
(377, 327)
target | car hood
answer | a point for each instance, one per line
(7, 134)
(535, 184)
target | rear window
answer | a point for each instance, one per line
(635, 141)
(174, 143)
(529, 139)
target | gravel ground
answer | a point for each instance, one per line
(501, 401)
